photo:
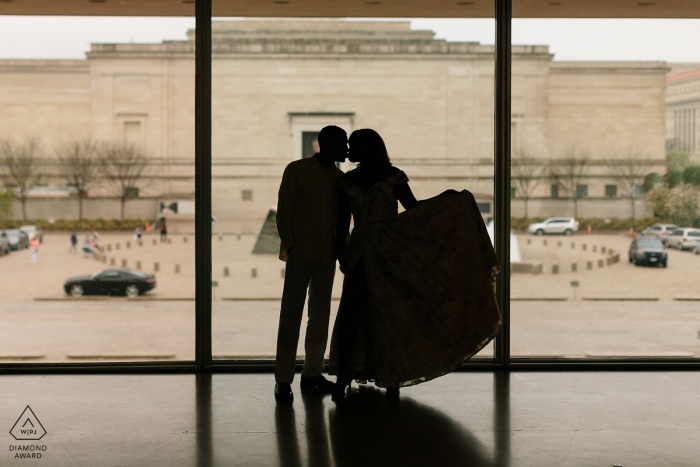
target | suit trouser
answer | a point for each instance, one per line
(301, 275)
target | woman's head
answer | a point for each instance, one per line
(368, 148)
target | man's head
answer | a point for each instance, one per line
(333, 142)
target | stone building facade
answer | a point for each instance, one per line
(683, 109)
(276, 83)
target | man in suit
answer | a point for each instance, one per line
(307, 212)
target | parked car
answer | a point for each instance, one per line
(32, 232)
(554, 225)
(648, 250)
(4, 244)
(662, 230)
(127, 282)
(684, 238)
(18, 239)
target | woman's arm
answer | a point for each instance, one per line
(403, 193)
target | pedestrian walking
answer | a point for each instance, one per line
(95, 239)
(34, 248)
(73, 242)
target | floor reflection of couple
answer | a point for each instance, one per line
(370, 429)
(417, 296)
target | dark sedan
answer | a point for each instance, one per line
(111, 282)
(649, 251)
(18, 240)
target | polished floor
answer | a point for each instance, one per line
(463, 419)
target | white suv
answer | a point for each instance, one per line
(684, 238)
(554, 225)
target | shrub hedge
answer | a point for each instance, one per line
(596, 223)
(69, 225)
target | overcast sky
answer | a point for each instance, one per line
(669, 40)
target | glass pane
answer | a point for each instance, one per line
(595, 118)
(97, 206)
(277, 83)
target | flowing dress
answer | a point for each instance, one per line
(429, 276)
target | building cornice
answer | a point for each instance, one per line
(44, 66)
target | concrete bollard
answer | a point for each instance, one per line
(123, 263)
(184, 239)
(138, 265)
(589, 265)
(584, 247)
(170, 240)
(155, 242)
(559, 244)
(529, 241)
(128, 244)
(601, 263)
(608, 260)
(225, 271)
(574, 267)
(555, 269)
(602, 249)
(156, 267)
(573, 246)
(111, 261)
(109, 247)
(177, 269)
(238, 237)
(594, 248)
(221, 237)
(544, 242)
(116, 246)
(254, 272)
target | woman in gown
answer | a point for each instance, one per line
(418, 294)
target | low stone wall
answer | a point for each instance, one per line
(587, 207)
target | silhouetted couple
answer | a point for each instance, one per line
(417, 296)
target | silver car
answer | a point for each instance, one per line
(554, 225)
(684, 238)
(660, 230)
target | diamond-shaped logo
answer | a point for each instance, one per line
(28, 427)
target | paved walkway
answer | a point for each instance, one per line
(118, 328)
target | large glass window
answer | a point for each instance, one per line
(277, 82)
(97, 196)
(601, 113)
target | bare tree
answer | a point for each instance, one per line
(569, 171)
(123, 166)
(20, 164)
(628, 168)
(527, 173)
(79, 163)
(6, 200)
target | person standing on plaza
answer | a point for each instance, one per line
(163, 230)
(34, 248)
(306, 219)
(73, 242)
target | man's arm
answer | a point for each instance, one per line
(342, 228)
(285, 206)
